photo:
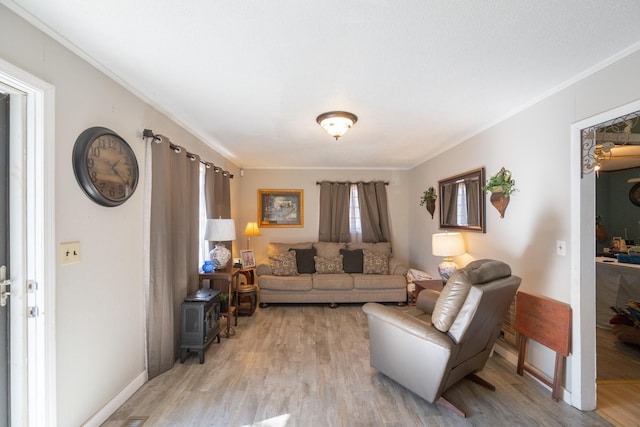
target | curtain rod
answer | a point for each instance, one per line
(148, 133)
(349, 182)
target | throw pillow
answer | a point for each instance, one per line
(374, 262)
(284, 264)
(331, 265)
(352, 260)
(304, 260)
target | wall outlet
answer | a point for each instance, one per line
(561, 247)
(69, 253)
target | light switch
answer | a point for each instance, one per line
(69, 253)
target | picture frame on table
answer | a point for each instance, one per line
(248, 258)
(280, 208)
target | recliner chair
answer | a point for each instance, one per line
(451, 336)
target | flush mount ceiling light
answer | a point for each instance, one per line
(336, 123)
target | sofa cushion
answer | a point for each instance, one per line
(284, 264)
(331, 265)
(378, 281)
(302, 282)
(304, 260)
(450, 301)
(328, 249)
(352, 260)
(332, 281)
(281, 248)
(382, 247)
(374, 262)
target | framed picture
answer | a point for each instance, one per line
(280, 208)
(248, 258)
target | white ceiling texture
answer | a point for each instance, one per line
(249, 77)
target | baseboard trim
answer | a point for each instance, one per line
(105, 412)
(512, 358)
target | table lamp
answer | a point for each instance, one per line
(251, 230)
(447, 245)
(220, 230)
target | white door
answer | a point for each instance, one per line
(4, 251)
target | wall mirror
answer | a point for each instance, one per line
(462, 201)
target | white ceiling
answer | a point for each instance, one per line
(249, 77)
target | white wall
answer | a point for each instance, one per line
(100, 323)
(535, 145)
(278, 179)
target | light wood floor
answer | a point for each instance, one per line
(308, 365)
(618, 378)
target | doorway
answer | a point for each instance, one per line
(31, 339)
(583, 271)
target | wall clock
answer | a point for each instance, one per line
(105, 166)
(634, 194)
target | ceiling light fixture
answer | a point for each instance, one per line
(336, 123)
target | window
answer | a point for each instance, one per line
(462, 204)
(355, 225)
(203, 250)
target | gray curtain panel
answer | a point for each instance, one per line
(374, 216)
(450, 202)
(334, 212)
(174, 251)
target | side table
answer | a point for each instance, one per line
(435, 284)
(230, 275)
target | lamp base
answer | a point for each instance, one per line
(446, 269)
(220, 256)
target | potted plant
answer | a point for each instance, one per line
(501, 186)
(224, 302)
(429, 199)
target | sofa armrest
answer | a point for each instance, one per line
(263, 269)
(396, 267)
(409, 324)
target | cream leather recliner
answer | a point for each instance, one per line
(450, 337)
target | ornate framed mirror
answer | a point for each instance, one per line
(462, 201)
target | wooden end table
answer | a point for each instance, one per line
(435, 284)
(230, 275)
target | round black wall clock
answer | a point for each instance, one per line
(105, 166)
(634, 194)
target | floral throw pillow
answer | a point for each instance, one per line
(374, 262)
(331, 265)
(284, 264)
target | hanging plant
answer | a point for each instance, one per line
(501, 186)
(429, 199)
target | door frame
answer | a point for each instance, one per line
(583, 270)
(32, 236)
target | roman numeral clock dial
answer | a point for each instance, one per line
(105, 166)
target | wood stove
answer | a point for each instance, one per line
(200, 322)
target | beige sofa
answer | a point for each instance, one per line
(325, 272)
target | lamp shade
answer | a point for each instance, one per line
(220, 230)
(447, 244)
(252, 229)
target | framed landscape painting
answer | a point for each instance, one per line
(280, 208)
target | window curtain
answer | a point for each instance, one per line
(374, 216)
(217, 193)
(450, 200)
(334, 212)
(171, 212)
(473, 202)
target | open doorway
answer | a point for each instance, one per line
(583, 282)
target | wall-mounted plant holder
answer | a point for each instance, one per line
(501, 186)
(428, 200)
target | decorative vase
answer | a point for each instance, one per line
(207, 267)
(431, 206)
(220, 256)
(500, 202)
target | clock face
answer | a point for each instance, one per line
(634, 194)
(105, 166)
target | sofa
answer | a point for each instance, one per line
(327, 272)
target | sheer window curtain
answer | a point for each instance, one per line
(334, 212)
(171, 212)
(374, 215)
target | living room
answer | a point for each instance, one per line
(97, 305)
